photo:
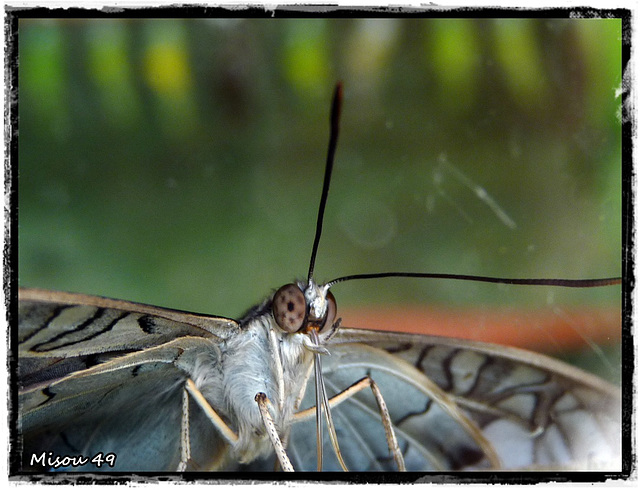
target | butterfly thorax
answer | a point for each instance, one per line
(247, 365)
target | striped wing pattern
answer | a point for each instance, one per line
(106, 376)
(531, 411)
(100, 375)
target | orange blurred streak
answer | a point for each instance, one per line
(547, 331)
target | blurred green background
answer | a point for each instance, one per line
(179, 162)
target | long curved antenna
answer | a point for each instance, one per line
(334, 119)
(568, 283)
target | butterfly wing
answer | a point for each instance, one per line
(460, 405)
(100, 376)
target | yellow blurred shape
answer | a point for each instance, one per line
(166, 68)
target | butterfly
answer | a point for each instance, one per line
(110, 385)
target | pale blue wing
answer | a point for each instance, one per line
(104, 376)
(130, 406)
(533, 411)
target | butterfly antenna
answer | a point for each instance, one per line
(334, 120)
(568, 283)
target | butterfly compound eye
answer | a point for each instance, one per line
(289, 308)
(331, 313)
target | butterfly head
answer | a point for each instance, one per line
(300, 308)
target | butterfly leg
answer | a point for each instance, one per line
(392, 441)
(356, 387)
(227, 433)
(185, 438)
(264, 404)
